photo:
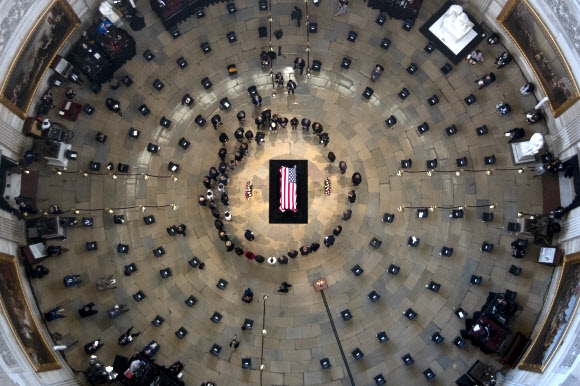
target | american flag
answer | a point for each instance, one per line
(288, 189)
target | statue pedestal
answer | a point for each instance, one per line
(522, 153)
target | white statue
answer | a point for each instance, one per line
(107, 10)
(535, 144)
(456, 23)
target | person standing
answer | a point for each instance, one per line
(306, 124)
(249, 235)
(216, 120)
(284, 287)
(241, 117)
(376, 73)
(291, 86)
(356, 178)
(294, 123)
(331, 157)
(337, 230)
(296, 15)
(329, 241)
(347, 214)
(352, 196)
(305, 250)
(314, 246)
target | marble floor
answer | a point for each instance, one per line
(299, 331)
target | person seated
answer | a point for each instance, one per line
(257, 100)
(486, 80)
(102, 138)
(515, 134)
(493, 39)
(181, 229)
(175, 369)
(533, 117)
(279, 79)
(502, 108)
(88, 310)
(54, 209)
(150, 350)
(518, 253)
(47, 99)
(114, 105)
(377, 72)
(92, 347)
(503, 60)
(342, 7)
(70, 94)
(264, 59)
(26, 207)
(527, 88)
(39, 272)
(55, 250)
(55, 313)
(474, 57)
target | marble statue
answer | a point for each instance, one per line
(456, 23)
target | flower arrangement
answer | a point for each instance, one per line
(249, 187)
(327, 186)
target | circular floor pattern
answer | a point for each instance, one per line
(299, 331)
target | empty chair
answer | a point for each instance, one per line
(481, 130)
(165, 122)
(246, 363)
(382, 337)
(510, 295)
(181, 62)
(437, 338)
(432, 163)
(148, 55)
(514, 270)
(122, 248)
(231, 7)
(451, 130)
(412, 68)
(206, 83)
(313, 27)
(216, 317)
(429, 48)
(393, 269)
(190, 301)
(433, 100)
(151, 148)
(423, 128)
(368, 93)
(346, 315)
(432, 286)
(404, 93)
(513, 227)
(391, 121)
(461, 162)
(181, 333)
(130, 269)
(388, 218)
(407, 359)
(381, 19)
(408, 24)
(139, 295)
(357, 270)
(325, 363)
(352, 36)
(149, 220)
(456, 213)
(445, 251)
(446, 69)
(406, 163)
(165, 273)
(410, 314)
(486, 247)
(345, 63)
(205, 47)
(158, 321)
(475, 280)
(374, 296)
(385, 44)
(429, 374)
(487, 217)
(184, 143)
(470, 99)
(215, 350)
(459, 342)
(174, 32)
(231, 36)
(159, 251)
(380, 380)
(194, 262)
(158, 85)
(357, 354)
(489, 160)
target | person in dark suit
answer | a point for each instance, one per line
(127, 337)
(216, 120)
(114, 105)
(283, 260)
(291, 86)
(229, 246)
(239, 134)
(257, 100)
(485, 80)
(294, 123)
(336, 231)
(284, 287)
(219, 225)
(249, 235)
(207, 182)
(356, 178)
(324, 139)
(292, 254)
(181, 230)
(93, 347)
(347, 214)
(239, 251)
(503, 60)
(299, 62)
(305, 250)
(282, 121)
(249, 135)
(331, 157)
(317, 128)
(342, 166)
(213, 173)
(241, 117)
(259, 122)
(88, 310)
(515, 134)
(222, 153)
(329, 241)
(314, 246)
(306, 124)
(296, 15)
(224, 138)
(352, 196)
